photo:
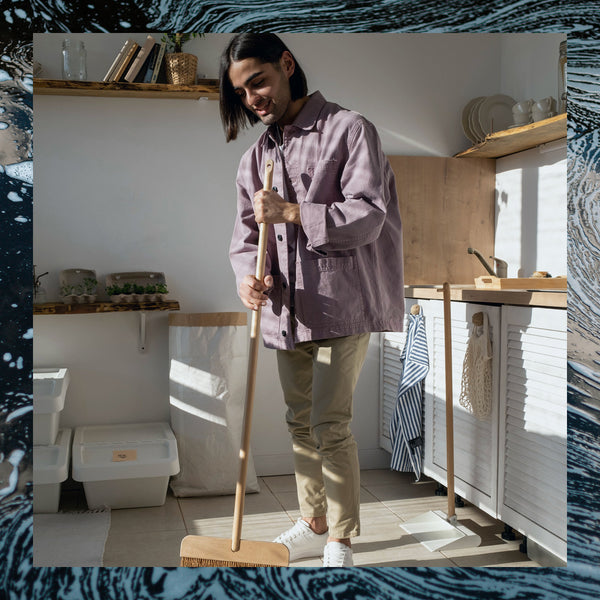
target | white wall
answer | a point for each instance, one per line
(145, 184)
(529, 65)
(531, 186)
(531, 210)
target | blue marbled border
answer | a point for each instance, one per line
(20, 580)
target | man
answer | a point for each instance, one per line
(333, 271)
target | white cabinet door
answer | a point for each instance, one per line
(475, 440)
(533, 427)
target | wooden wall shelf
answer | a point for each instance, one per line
(204, 88)
(59, 308)
(509, 141)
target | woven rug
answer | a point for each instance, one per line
(70, 539)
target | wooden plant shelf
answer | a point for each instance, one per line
(509, 141)
(59, 308)
(204, 88)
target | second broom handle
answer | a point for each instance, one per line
(449, 400)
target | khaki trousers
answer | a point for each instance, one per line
(318, 380)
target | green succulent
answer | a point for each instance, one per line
(176, 40)
(113, 290)
(89, 284)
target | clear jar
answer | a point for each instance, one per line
(74, 60)
(562, 78)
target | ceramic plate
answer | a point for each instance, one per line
(465, 118)
(495, 113)
(474, 120)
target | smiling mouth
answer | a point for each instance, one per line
(264, 109)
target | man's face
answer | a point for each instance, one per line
(264, 88)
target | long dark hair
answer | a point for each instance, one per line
(267, 48)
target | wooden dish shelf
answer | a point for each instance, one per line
(510, 141)
(204, 88)
(60, 308)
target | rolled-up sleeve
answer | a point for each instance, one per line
(346, 204)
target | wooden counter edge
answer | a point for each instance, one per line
(468, 293)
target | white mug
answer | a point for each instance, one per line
(542, 109)
(548, 104)
(522, 112)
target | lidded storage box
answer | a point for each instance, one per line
(125, 466)
(49, 391)
(50, 469)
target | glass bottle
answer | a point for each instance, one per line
(74, 60)
(39, 293)
(562, 78)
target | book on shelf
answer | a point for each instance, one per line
(155, 63)
(160, 72)
(151, 63)
(119, 74)
(141, 75)
(118, 60)
(140, 60)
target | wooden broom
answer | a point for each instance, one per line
(198, 551)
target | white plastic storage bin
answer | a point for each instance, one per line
(50, 469)
(49, 391)
(125, 466)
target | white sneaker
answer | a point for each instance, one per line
(337, 554)
(302, 541)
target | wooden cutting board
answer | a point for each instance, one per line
(521, 283)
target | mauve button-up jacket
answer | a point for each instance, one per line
(339, 273)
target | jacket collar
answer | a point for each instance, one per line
(307, 117)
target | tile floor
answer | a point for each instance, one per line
(150, 537)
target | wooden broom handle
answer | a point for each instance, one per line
(449, 401)
(240, 488)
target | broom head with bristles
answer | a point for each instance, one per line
(199, 551)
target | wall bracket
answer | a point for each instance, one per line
(142, 332)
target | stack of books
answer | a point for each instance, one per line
(139, 64)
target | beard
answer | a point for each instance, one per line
(277, 106)
(275, 112)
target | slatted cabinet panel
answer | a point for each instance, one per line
(513, 465)
(533, 428)
(392, 343)
(475, 440)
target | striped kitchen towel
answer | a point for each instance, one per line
(405, 425)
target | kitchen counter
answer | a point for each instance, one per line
(468, 293)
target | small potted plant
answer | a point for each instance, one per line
(180, 66)
(78, 285)
(68, 293)
(115, 293)
(161, 291)
(89, 286)
(127, 291)
(138, 292)
(150, 291)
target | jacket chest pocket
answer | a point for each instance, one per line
(328, 290)
(323, 175)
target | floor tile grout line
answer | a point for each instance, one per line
(284, 510)
(182, 515)
(274, 494)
